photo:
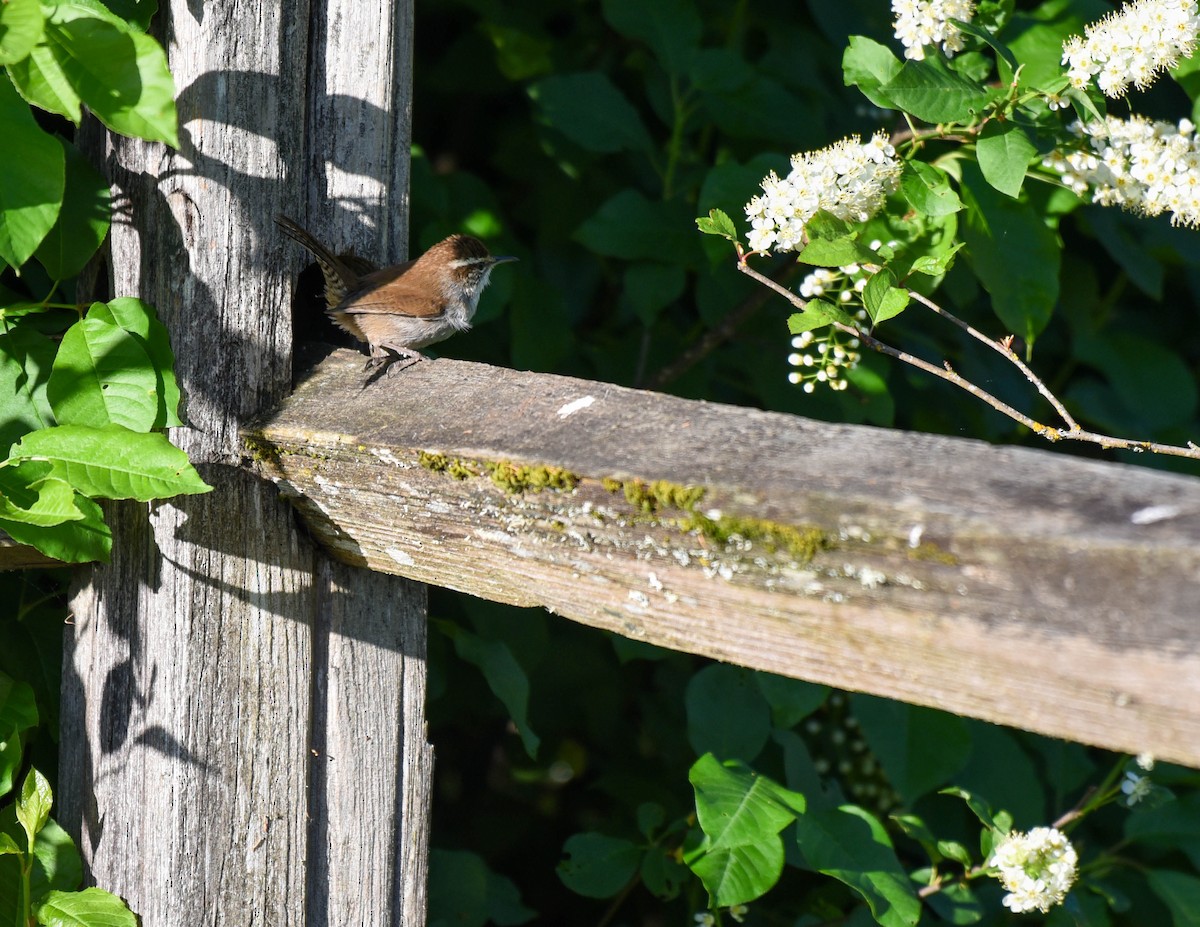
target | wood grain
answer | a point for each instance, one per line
(243, 727)
(1024, 587)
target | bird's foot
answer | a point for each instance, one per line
(389, 360)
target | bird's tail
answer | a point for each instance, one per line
(339, 278)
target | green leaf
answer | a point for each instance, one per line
(1036, 41)
(868, 65)
(141, 321)
(1002, 51)
(32, 181)
(33, 804)
(505, 677)
(113, 462)
(742, 101)
(464, 892)
(56, 862)
(825, 226)
(1180, 892)
(1085, 107)
(72, 541)
(671, 28)
(1004, 153)
(992, 820)
(121, 74)
(29, 495)
(8, 846)
(597, 866)
(850, 845)
(21, 27)
(92, 907)
(1000, 768)
(41, 82)
(82, 222)
(717, 222)
(1015, 255)
(726, 713)
(1156, 384)
(919, 748)
(650, 287)
(839, 253)
(520, 55)
(934, 265)
(882, 298)
(10, 762)
(590, 110)
(817, 314)
(632, 227)
(934, 93)
(663, 874)
(791, 700)
(952, 849)
(103, 376)
(26, 356)
(741, 814)
(956, 904)
(1121, 234)
(927, 189)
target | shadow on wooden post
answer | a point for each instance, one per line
(243, 719)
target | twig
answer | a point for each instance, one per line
(1004, 350)
(1073, 432)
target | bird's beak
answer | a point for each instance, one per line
(504, 259)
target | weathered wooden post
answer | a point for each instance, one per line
(243, 736)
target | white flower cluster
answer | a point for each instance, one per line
(1037, 868)
(1143, 166)
(1132, 46)
(824, 360)
(849, 179)
(928, 22)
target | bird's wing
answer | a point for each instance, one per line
(388, 292)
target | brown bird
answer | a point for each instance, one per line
(397, 310)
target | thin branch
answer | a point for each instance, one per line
(946, 373)
(1005, 351)
(1072, 433)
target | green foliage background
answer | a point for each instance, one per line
(571, 766)
(585, 138)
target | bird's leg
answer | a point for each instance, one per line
(390, 359)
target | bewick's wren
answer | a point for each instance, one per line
(397, 310)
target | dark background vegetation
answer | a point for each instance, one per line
(585, 137)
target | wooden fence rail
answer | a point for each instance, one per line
(1018, 586)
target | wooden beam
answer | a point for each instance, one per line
(1024, 587)
(14, 556)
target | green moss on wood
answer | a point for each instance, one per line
(656, 495)
(801, 542)
(653, 501)
(931, 553)
(451, 466)
(517, 478)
